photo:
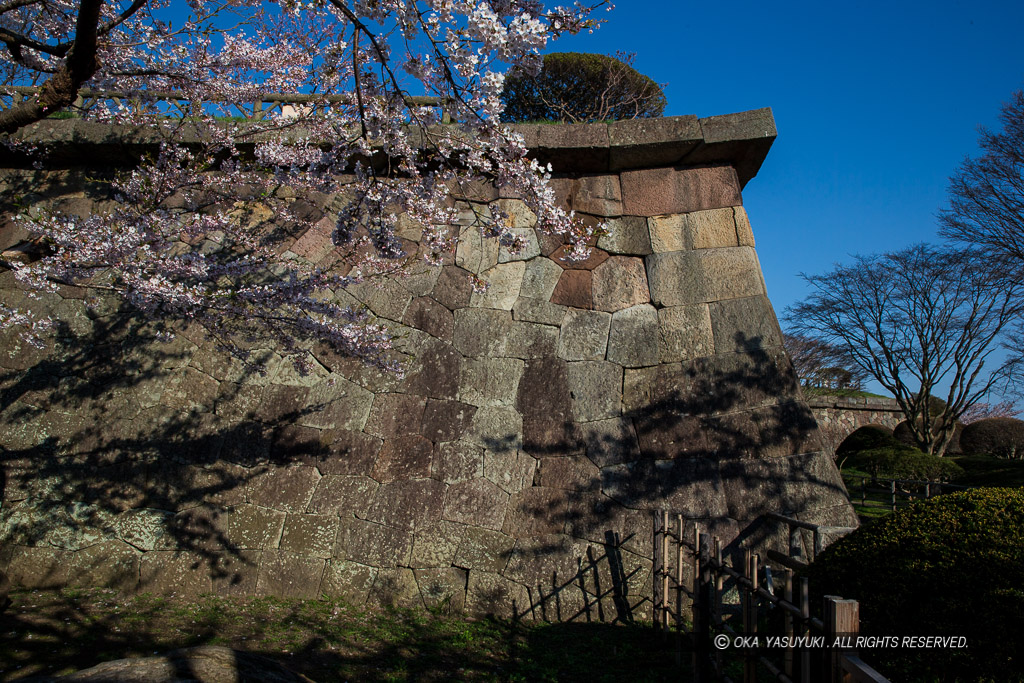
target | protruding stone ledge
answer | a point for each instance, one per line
(741, 140)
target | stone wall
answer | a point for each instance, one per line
(840, 416)
(544, 418)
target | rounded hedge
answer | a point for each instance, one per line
(949, 566)
(1002, 437)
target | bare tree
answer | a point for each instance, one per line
(820, 365)
(986, 207)
(916, 320)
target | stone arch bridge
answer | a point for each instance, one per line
(839, 416)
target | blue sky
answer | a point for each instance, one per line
(876, 104)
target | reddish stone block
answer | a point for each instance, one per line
(658, 191)
(574, 288)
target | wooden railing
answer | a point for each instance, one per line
(806, 649)
(889, 492)
(172, 103)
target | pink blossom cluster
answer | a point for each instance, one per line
(196, 231)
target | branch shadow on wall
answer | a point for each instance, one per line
(721, 441)
(109, 447)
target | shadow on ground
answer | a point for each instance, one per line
(46, 633)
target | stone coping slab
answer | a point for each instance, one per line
(741, 140)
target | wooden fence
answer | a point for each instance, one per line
(721, 612)
(178, 104)
(890, 493)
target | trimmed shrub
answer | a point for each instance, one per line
(1002, 437)
(949, 566)
(901, 462)
(865, 439)
(577, 87)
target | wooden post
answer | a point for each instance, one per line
(787, 595)
(927, 490)
(679, 588)
(701, 627)
(864, 491)
(842, 624)
(892, 493)
(750, 621)
(664, 571)
(805, 628)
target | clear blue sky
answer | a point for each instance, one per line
(876, 104)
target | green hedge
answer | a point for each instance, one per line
(1002, 437)
(949, 566)
(902, 462)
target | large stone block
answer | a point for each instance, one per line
(407, 503)
(685, 333)
(535, 511)
(598, 195)
(347, 452)
(348, 580)
(633, 338)
(446, 420)
(288, 489)
(712, 228)
(310, 535)
(528, 340)
(477, 503)
(482, 331)
(539, 278)
(251, 527)
(290, 575)
(742, 325)
(529, 248)
(596, 390)
(668, 233)
(395, 415)
(503, 284)
(453, 289)
(336, 404)
(628, 235)
(484, 550)
(475, 253)
(490, 381)
(457, 461)
(435, 544)
(538, 311)
(574, 289)
(496, 428)
(442, 590)
(343, 495)
(408, 455)
(375, 544)
(620, 282)
(428, 315)
(584, 335)
(651, 192)
(690, 277)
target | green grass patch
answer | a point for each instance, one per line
(983, 470)
(47, 633)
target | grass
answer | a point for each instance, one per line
(979, 470)
(47, 633)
